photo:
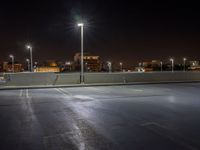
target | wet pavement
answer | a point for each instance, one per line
(135, 117)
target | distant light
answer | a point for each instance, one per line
(68, 63)
(109, 63)
(184, 59)
(11, 56)
(27, 60)
(171, 59)
(80, 24)
(28, 47)
(120, 63)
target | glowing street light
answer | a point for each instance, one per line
(68, 63)
(80, 24)
(86, 66)
(184, 62)
(172, 61)
(161, 66)
(121, 66)
(31, 57)
(12, 58)
(82, 66)
(140, 64)
(28, 64)
(109, 66)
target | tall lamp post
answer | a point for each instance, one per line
(13, 59)
(86, 66)
(172, 61)
(109, 66)
(184, 62)
(31, 57)
(82, 66)
(28, 64)
(161, 66)
(121, 66)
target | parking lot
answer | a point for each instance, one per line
(141, 117)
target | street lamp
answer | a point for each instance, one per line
(121, 66)
(86, 66)
(161, 66)
(109, 66)
(31, 57)
(82, 67)
(172, 60)
(184, 62)
(68, 65)
(140, 64)
(12, 58)
(28, 64)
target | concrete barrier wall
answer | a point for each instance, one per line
(142, 77)
(28, 79)
(2, 80)
(70, 78)
(137, 77)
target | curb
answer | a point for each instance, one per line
(90, 85)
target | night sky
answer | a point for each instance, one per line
(116, 30)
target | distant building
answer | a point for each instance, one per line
(48, 66)
(194, 65)
(155, 63)
(147, 66)
(51, 63)
(1, 67)
(91, 62)
(7, 67)
(68, 66)
(47, 69)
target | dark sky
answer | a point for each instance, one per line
(116, 30)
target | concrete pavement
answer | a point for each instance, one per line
(142, 117)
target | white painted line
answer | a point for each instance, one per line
(65, 92)
(27, 94)
(137, 90)
(60, 91)
(21, 93)
(99, 90)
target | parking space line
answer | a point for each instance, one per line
(21, 93)
(138, 90)
(60, 90)
(27, 94)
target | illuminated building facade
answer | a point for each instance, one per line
(48, 66)
(153, 65)
(194, 65)
(7, 67)
(47, 69)
(92, 63)
(1, 67)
